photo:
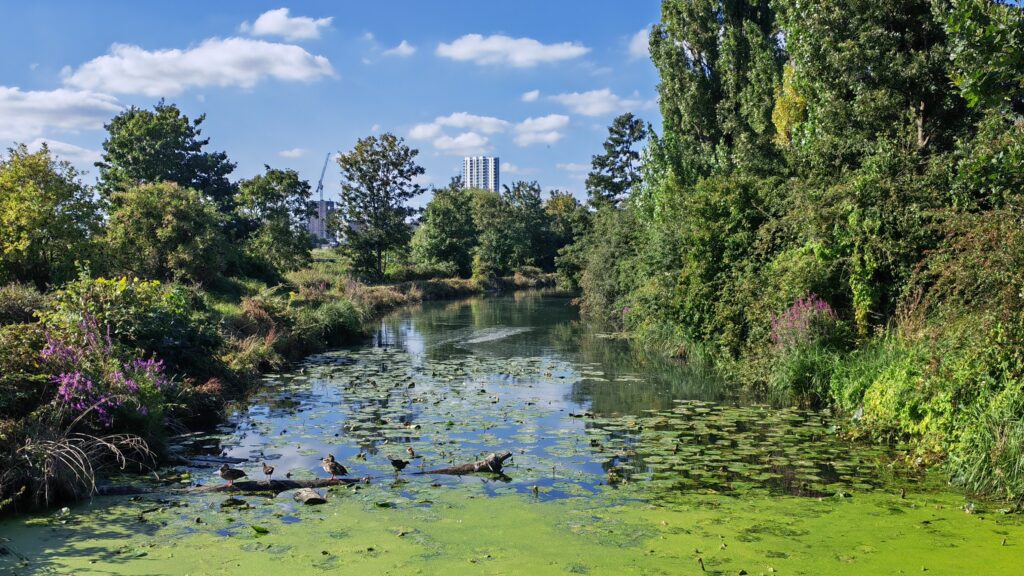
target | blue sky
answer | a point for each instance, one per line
(536, 83)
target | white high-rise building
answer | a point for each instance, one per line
(481, 172)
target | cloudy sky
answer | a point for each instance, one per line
(534, 82)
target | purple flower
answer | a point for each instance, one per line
(799, 322)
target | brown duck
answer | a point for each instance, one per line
(268, 471)
(333, 467)
(231, 474)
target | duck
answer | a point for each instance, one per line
(410, 451)
(268, 471)
(231, 474)
(398, 463)
(333, 467)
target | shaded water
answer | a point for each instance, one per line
(621, 464)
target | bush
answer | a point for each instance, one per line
(19, 303)
(168, 320)
(989, 458)
(423, 271)
(102, 384)
(24, 383)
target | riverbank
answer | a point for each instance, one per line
(95, 376)
(621, 465)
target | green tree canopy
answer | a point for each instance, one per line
(167, 232)
(274, 207)
(447, 234)
(616, 172)
(378, 180)
(47, 218)
(163, 145)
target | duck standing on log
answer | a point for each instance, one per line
(333, 467)
(268, 471)
(231, 474)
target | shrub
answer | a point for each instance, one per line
(19, 303)
(989, 458)
(99, 382)
(248, 357)
(168, 320)
(24, 383)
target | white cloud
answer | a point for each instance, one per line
(573, 167)
(510, 168)
(599, 102)
(424, 131)
(505, 50)
(465, 144)
(77, 155)
(530, 96)
(292, 153)
(639, 46)
(541, 130)
(214, 62)
(278, 23)
(375, 128)
(25, 115)
(463, 120)
(485, 124)
(403, 49)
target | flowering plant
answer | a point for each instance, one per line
(98, 381)
(808, 320)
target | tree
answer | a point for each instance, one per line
(275, 207)
(47, 218)
(447, 234)
(163, 145)
(526, 225)
(719, 63)
(378, 179)
(987, 47)
(167, 232)
(568, 223)
(615, 173)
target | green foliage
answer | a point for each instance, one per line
(48, 218)
(19, 303)
(616, 173)
(568, 223)
(24, 382)
(168, 320)
(447, 234)
(275, 206)
(855, 171)
(162, 145)
(987, 48)
(378, 179)
(166, 232)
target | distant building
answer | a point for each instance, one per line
(481, 172)
(317, 224)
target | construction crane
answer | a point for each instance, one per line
(321, 208)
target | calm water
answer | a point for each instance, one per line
(621, 464)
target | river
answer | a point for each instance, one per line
(622, 464)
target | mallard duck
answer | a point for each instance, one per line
(231, 474)
(398, 463)
(268, 471)
(333, 467)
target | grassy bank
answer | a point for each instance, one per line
(98, 373)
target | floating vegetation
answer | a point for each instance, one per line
(615, 468)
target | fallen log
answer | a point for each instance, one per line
(275, 486)
(492, 463)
